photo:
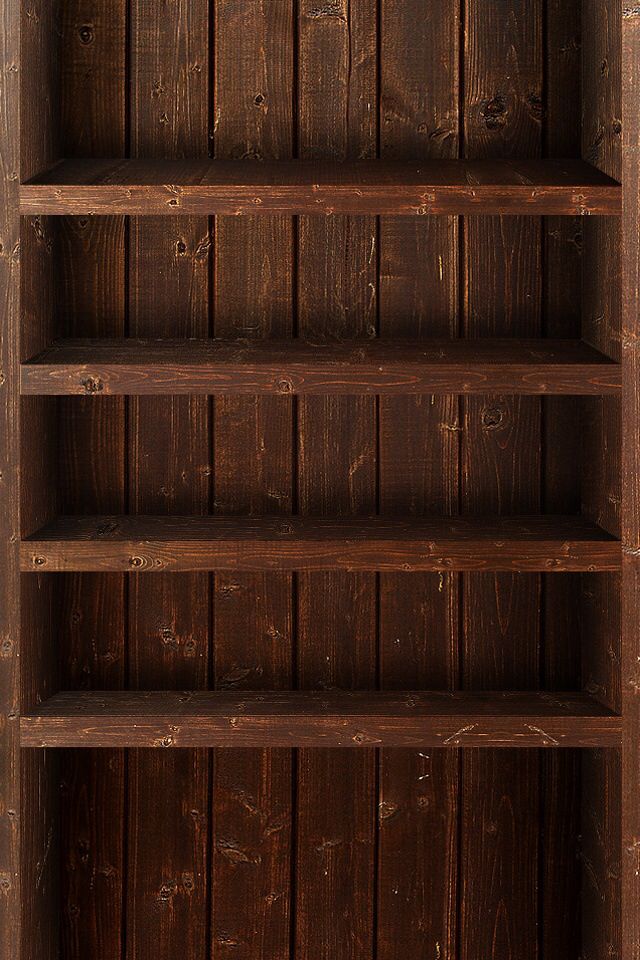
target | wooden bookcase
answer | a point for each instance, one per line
(319, 458)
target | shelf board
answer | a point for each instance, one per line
(319, 719)
(148, 544)
(554, 187)
(153, 367)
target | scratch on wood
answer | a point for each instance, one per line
(455, 737)
(45, 856)
(543, 734)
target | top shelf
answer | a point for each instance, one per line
(138, 187)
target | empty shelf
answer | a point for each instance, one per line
(128, 366)
(324, 719)
(148, 544)
(570, 187)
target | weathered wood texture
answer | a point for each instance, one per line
(562, 598)
(89, 257)
(274, 854)
(169, 456)
(10, 875)
(335, 718)
(418, 801)
(232, 367)
(603, 495)
(336, 266)
(501, 466)
(569, 188)
(630, 649)
(253, 624)
(156, 544)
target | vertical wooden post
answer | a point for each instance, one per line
(631, 482)
(9, 513)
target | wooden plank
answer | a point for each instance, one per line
(161, 544)
(499, 820)
(602, 845)
(92, 606)
(11, 899)
(561, 597)
(336, 718)
(337, 267)
(501, 461)
(37, 777)
(418, 441)
(90, 301)
(396, 368)
(169, 458)
(630, 646)
(136, 187)
(39, 131)
(92, 90)
(253, 617)
(29, 827)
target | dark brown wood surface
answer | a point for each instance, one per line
(501, 467)
(253, 617)
(89, 259)
(159, 544)
(137, 367)
(602, 495)
(336, 266)
(418, 794)
(169, 455)
(560, 187)
(345, 854)
(11, 898)
(332, 718)
(626, 799)
(560, 902)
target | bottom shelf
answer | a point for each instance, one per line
(319, 719)
(302, 855)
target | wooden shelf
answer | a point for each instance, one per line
(148, 544)
(129, 366)
(319, 719)
(554, 187)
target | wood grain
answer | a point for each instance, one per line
(355, 719)
(90, 300)
(253, 625)
(160, 544)
(625, 796)
(397, 368)
(565, 616)
(169, 457)
(11, 898)
(260, 852)
(92, 606)
(36, 627)
(29, 812)
(337, 291)
(501, 462)
(39, 135)
(568, 188)
(418, 440)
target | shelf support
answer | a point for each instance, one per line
(630, 483)
(10, 898)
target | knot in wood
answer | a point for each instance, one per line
(492, 417)
(86, 33)
(494, 113)
(92, 385)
